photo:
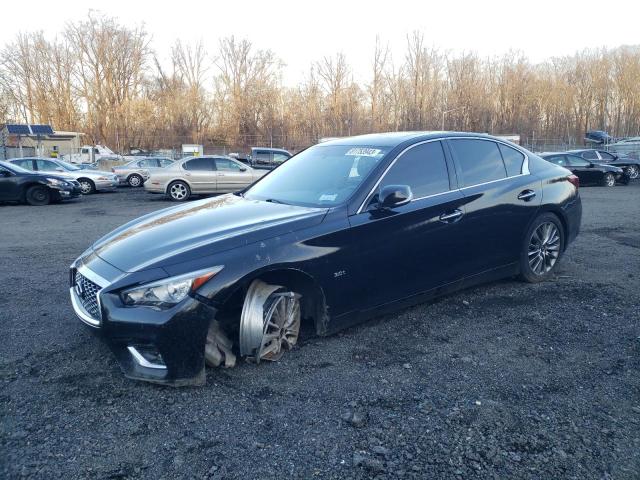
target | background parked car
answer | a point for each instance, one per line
(196, 175)
(631, 166)
(263, 157)
(137, 171)
(589, 173)
(20, 185)
(90, 180)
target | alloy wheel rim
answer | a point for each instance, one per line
(281, 326)
(544, 248)
(85, 187)
(134, 181)
(632, 171)
(610, 180)
(178, 191)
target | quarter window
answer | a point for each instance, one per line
(202, 163)
(513, 159)
(46, 166)
(479, 160)
(423, 168)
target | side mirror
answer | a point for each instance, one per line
(243, 169)
(394, 196)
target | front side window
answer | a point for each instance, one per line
(557, 159)
(262, 156)
(479, 160)
(200, 164)
(227, 165)
(165, 163)
(280, 157)
(513, 159)
(320, 176)
(423, 168)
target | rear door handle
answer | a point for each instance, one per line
(452, 216)
(526, 195)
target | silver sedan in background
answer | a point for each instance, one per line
(137, 171)
(91, 181)
(201, 175)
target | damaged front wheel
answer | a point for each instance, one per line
(270, 321)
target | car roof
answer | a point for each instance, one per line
(393, 139)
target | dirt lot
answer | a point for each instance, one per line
(503, 381)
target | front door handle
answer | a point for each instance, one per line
(221, 174)
(526, 195)
(452, 216)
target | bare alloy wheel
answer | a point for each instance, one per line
(544, 248)
(633, 171)
(135, 180)
(38, 195)
(609, 180)
(270, 321)
(86, 186)
(179, 191)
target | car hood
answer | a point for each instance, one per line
(198, 229)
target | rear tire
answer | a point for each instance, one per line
(179, 191)
(633, 172)
(608, 180)
(135, 180)
(542, 248)
(38, 195)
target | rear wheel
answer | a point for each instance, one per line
(608, 180)
(633, 172)
(179, 191)
(87, 187)
(38, 195)
(135, 180)
(542, 248)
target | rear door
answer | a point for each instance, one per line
(583, 169)
(231, 176)
(200, 172)
(501, 199)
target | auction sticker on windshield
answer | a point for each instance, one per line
(363, 152)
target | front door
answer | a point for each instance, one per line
(231, 175)
(412, 248)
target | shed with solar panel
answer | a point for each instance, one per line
(22, 140)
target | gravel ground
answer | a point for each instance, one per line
(506, 380)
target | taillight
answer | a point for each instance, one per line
(574, 180)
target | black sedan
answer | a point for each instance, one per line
(20, 185)
(341, 232)
(630, 165)
(588, 172)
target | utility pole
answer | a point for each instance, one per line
(449, 111)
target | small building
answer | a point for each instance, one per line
(22, 140)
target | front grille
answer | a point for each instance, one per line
(87, 293)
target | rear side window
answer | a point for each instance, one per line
(423, 168)
(480, 161)
(577, 161)
(590, 155)
(262, 156)
(557, 159)
(513, 159)
(202, 163)
(24, 164)
(606, 156)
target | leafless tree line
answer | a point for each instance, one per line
(104, 79)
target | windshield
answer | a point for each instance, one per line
(12, 167)
(68, 166)
(321, 176)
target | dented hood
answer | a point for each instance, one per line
(197, 229)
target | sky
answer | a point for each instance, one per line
(302, 32)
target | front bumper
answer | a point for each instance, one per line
(160, 346)
(67, 193)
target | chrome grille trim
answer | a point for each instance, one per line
(87, 306)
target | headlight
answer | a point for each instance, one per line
(57, 182)
(169, 291)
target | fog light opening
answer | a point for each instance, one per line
(147, 356)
